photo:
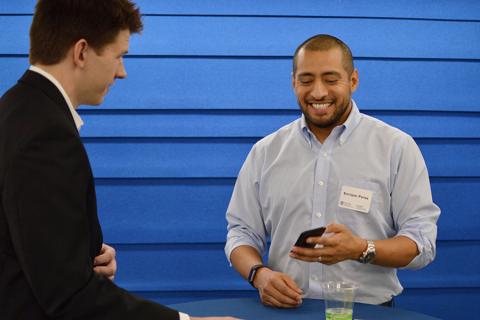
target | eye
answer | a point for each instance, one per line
(331, 81)
(305, 81)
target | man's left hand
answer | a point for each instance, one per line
(337, 244)
(105, 263)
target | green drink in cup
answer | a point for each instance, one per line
(339, 297)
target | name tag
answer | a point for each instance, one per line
(355, 199)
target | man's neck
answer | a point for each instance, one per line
(63, 76)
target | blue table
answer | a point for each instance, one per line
(252, 309)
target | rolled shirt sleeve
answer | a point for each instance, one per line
(412, 205)
(245, 225)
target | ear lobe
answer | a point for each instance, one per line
(80, 53)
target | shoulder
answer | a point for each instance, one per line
(282, 136)
(27, 115)
(388, 141)
(28, 108)
(378, 129)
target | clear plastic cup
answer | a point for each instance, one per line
(339, 299)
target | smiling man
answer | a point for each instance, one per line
(336, 167)
(53, 262)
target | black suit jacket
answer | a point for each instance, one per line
(49, 230)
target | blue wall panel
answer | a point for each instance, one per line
(412, 9)
(258, 123)
(150, 210)
(199, 157)
(232, 36)
(209, 78)
(237, 83)
(146, 267)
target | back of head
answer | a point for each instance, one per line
(58, 24)
(323, 42)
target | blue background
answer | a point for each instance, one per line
(207, 79)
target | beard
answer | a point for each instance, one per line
(335, 119)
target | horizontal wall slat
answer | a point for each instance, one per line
(463, 9)
(457, 199)
(232, 36)
(182, 158)
(164, 211)
(376, 8)
(259, 123)
(190, 83)
(193, 210)
(280, 36)
(169, 268)
(222, 158)
(461, 256)
(153, 268)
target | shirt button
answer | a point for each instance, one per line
(325, 154)
(318, 214)
(320, 183)
(314, 278)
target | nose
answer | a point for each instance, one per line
(319, 91)
(121, 71)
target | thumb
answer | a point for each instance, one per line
(334, 228)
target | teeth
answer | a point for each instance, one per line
(320, 106)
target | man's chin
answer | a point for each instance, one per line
(96, 102)
(326, 122)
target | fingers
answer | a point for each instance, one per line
(107, 254)
(310, 255)
(289, 282)
(281, 292)
(108, 272)
(105, 263)
(325, 255)
(272, 302)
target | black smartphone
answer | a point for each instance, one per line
(302, 239)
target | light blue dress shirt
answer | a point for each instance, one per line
(290, 182)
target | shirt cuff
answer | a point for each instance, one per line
(183, 316)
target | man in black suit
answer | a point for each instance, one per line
(53, 263)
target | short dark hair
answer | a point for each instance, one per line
(58, 24)
(322, 42)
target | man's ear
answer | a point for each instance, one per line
(354, 80)
(293, 80)
(80, 52)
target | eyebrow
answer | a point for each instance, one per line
(305, 74)
(331, 73)
(328, 73)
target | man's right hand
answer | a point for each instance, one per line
(277, 289)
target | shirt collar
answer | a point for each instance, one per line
(76, 117)
(347, 127)
(351, 123)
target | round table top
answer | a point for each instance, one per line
(252, 308)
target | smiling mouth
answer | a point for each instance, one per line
(320, 106)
